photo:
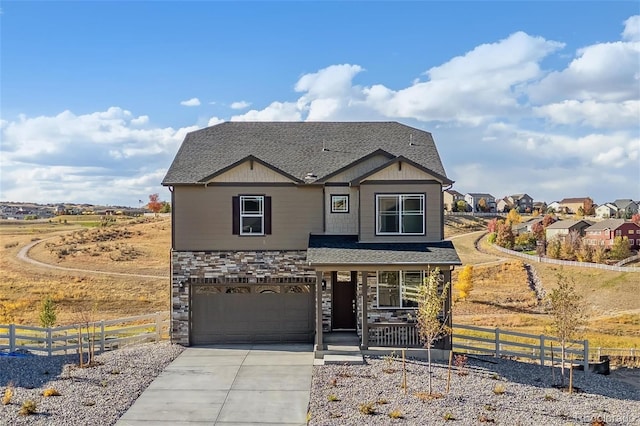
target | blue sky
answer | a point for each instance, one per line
(535, 97)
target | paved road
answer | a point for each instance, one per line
(229, 385)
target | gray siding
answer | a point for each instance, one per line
(203, 217)
(433, 210)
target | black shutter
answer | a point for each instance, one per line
(235, 202)
(267, 215)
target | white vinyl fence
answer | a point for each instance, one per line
(103, 335)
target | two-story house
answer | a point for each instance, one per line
(626, 208)
(563, 228)
(603, 233)
(606, 211)
(573, 205)
(285, 231)
(480, 202)
(451, 198)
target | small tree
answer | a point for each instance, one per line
(166, 207)
(461, 205)
(554, 248)
(482, 205)
(514, 217)
(465, 282)
(48, 313)
(567, 315)
(492, 225)
(548, 220)
(154, 203)
(585, 252)
(433, 315)
(636, 218)
(505, 237)
(621, 248)
(599, 254)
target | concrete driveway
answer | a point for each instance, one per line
(229, 385)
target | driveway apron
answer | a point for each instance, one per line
(229, 385)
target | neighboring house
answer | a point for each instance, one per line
(522, 202)
(504, 205)
(540, 206)
(524, 227)
(603, 233)
(284, 231)
(563, 228)
(473, 200)
(571, 205)
(606, 211)
(450, 198)
(626, 208)
(554, 206)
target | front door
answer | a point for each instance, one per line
(343, 300)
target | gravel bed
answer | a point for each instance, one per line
(96, 395)
(529, 398)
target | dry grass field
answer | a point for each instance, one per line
(500, 298)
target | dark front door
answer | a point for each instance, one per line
(343, 306)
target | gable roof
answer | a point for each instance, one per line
(396, 160)
(623, 203)
(297, 148)
(608, 224)
(480, 194)
(567, 224)
(574, 200)
(454, 193)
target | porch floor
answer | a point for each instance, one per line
(342, 347)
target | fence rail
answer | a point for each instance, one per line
(499, 342)
(103, 335)
(394, 335)
(567, 262)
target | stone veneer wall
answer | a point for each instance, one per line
(221, 267)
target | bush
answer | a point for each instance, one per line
(491, 238)
(28, 408)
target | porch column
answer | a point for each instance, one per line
(365, 321)
(319, 342)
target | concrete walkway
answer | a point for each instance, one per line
(229, 385)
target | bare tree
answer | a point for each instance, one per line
(433, 314)
(567, 315)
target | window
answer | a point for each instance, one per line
(401, 214)
(251, 215)
(398, 289)
(630, 231)
(339, 204)
(618, 232)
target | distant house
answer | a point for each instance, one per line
(504, 205)
(626, 208)
(606, 211)
(554, 206)
(524, 227)
(603, 233)
(540, 206)
(562, 228)
(572, 205)
(450, 198)
(473, 199)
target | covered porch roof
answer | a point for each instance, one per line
(328, 252)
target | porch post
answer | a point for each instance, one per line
(365, 322)
(319, 342)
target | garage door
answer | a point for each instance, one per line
(252, 314)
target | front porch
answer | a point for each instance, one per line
(350, 298)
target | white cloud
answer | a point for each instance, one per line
(95, 157)
(276, 111)
(632, 29)
(191, 102)
(591, 113)
(240, 105)
(214, 120)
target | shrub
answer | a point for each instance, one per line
(491, 238)
(50, 392)
(499, 389)
(28, 408)
(9, 245)
(8, 394)
(448, 416)
(460, 361)
(483, 418)
(332, 398)
(396, 414)
(368, 408)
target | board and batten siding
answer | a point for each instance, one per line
(433, 210)
(203, 217)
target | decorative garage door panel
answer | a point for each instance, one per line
(252, 314)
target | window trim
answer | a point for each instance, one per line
(260, 215)
(400, 197)
(401, 285)
(337, 196)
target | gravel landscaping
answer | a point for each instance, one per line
(96, 395)
(490, 391)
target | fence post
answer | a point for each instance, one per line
(12, 337)
(497, 343)
(49, 341)
(102, 336)
(599, 352)
(586, 357)
(158, 327)
(542, 349)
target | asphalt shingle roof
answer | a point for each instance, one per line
(296, 148)
(606, 224)
(345, 249)
(566, 224)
